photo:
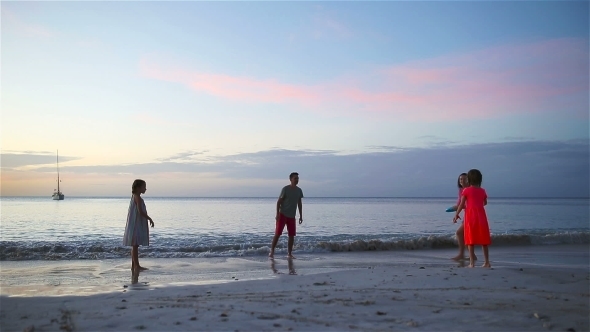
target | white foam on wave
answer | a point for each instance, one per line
(184, 248)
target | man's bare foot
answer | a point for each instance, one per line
(290, 256)
(471, 265)
(141, 268)
(459, 258)
(271, 255)
(486, 264)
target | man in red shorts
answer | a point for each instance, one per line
(289, 200)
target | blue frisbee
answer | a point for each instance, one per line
(451, 209)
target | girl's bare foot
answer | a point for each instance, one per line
(459, 258)
(471, 265)
(486, 264)
(290, 256)
(271, 255)
(141, 268)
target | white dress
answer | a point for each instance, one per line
(137, 231)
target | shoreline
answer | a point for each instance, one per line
(528, 288)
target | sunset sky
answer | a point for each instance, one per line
(361, 98)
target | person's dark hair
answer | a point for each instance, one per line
(474, 177)
(459, 180)
(292, 175)
(136, 184)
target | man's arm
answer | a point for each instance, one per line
(279, 202)
(300, 206)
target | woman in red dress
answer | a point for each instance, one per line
(477, 229)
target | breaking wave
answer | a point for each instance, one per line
(234, 246)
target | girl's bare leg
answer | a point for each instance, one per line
(134, 258)
(461, 243)
(471, 256)
(140, 268)
(486, 257)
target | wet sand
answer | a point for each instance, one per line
(529, 288)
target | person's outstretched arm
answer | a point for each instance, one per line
(459, 209)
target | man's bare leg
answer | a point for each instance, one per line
(275, 240)
(290, 246)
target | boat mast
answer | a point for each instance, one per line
(58, 172)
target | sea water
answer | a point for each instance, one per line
(38, 228)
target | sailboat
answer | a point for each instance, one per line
(57, 195)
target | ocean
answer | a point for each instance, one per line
(90, 228)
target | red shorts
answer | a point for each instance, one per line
(290, 222)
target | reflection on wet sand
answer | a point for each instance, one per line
(134, 276)
(275, 270)
(135, 284)
(273, 267)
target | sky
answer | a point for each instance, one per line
(363, 99)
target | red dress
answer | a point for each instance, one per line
(477, 230)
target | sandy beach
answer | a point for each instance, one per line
(529, 288)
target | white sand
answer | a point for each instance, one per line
(528, 289)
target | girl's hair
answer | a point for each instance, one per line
(136, 184)
(474, 177)
(459, 180)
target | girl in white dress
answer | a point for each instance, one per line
(137, 232)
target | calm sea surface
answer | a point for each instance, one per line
(92, 228)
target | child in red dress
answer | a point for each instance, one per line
(477, 230)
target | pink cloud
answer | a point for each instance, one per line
(234, 88)
(506, 79)
(547, 76)
(14, 24)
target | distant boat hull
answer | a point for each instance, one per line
(58, 197)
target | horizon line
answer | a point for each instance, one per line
(229, 197)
